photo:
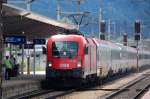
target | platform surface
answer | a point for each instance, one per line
(21, 84)
(147, 95)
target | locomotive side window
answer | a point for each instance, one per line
(44, 50)
(86, 50)
(64, 49)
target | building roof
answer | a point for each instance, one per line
(17, 21)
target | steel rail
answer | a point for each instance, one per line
(61, 94)
(142, 91)
(125, 88)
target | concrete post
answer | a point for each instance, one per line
(22, 64)
(1, 49)
(10, 49)
(34, 61)
(28, 65)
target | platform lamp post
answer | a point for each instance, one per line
(137, 39)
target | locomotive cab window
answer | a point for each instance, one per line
(64, 49)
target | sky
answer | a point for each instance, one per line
(121, 13)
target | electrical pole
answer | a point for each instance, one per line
(109, 29)
(100, 19)
(78, 18)
(114, 23)
(78, 15)
(58, 10)
(29, 4)
(137, 48)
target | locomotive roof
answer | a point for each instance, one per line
(108, 43)
(70, 37)
(126, 47)
(65, 35)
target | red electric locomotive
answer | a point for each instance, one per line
(68, 56)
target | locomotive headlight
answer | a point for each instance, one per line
(79, 64)
(49, 64)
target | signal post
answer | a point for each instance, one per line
(137, 39)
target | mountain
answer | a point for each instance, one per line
(121, 13)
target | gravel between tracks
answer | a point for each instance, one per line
(98, 94)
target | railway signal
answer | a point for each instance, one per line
(125, 39)
(102, 29)
(103, 26)
(137, 30)
(137, 27)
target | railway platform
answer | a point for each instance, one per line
(147, 95)
(20, 85)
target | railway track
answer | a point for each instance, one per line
(48, 94)
(59, 94)
(43, 94)
(133, 90)
(31, 94)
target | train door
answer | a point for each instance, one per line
(98, 60)
(93, 59)
(90, 57)
(87, 60)
(92, 53)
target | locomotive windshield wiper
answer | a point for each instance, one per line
(70, 56)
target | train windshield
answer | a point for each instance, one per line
(65, 49)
